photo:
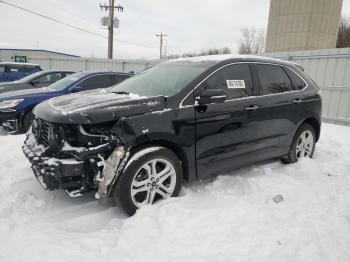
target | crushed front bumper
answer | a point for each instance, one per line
(76, 170)
(54, 173)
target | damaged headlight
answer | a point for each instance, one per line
(35, 128)
(10, 103)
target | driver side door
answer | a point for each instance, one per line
(225, 132)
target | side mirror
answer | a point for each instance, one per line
(75, 89)
(209, 96)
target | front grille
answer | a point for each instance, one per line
(44, 130)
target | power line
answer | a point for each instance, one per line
(138, 17)
(72, 26)
(67, 11)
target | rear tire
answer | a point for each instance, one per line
(147, 178)
(303, 144)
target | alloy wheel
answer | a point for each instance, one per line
(155, 180)
(305, 144)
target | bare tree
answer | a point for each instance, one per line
(226, 50)
(252, 41)
(344, 33)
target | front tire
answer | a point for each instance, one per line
(152, 174)
(303, 145)
(27, 121)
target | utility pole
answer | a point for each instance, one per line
(161, 45)
(111, 23)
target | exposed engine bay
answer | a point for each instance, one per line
(76, 158)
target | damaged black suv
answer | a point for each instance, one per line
(183, 119)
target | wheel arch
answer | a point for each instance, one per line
(176, 149)
(315, 123)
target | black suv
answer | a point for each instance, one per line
(184, 119)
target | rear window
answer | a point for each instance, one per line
(273, 79)
(297, 82)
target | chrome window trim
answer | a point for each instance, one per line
(243, 98)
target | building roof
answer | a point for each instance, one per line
(17, 63)
(37, 50)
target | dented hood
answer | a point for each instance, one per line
(96, 107)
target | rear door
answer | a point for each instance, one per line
(278, 111)
(225, 132)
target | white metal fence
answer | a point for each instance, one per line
(330, 68)
(86, 64)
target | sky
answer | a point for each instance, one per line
(191, 25)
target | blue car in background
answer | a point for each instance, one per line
(14, 71)
(16, 107)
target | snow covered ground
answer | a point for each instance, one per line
(230, 218)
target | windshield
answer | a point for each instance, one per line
(165, 79)
(67, 81)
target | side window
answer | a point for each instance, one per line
(65, 74)
(53, 77)
(297, 82)
(20, 69)
(13, 69)
(28, 69)
(235, 80)
(49, 78)
(2, 69)
(94, 82)
(273, 79)
(43, 79)
(115, 79)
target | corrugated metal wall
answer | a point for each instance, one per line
(83, 64)
(330, 69)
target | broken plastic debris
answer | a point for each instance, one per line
(97, 195)
(277, 199)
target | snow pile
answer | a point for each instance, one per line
(270, 212)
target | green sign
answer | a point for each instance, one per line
(20, 59)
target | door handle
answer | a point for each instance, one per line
(297, 100)
(251, 108)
